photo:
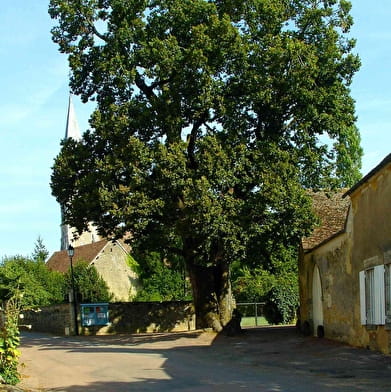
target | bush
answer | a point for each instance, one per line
(282, 301)
(39, 285)
(9, 342)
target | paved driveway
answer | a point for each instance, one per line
(263, 359)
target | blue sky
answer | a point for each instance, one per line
(33, 106)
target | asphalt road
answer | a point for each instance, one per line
(264, 359)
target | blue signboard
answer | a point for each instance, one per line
(94, 314)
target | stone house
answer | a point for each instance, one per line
(345, 265)
(112, 261)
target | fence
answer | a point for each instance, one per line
(252, 314)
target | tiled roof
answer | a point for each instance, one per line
(332, 210)
(59, 261)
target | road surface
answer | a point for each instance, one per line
(264, 359)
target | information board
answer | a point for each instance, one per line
(94, 314)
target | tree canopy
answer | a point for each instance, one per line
(39, 285)
(212, 119)
(160, 279)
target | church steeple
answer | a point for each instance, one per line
(72, 129)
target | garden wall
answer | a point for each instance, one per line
(124, 317)
(56, 319)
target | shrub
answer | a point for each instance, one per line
(9, 342)
(40, 286)
(282, 301)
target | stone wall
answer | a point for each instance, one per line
(124, 317)
(56, 319)
(332, 316)
(139, 317)
(372, 245)
(336, 280)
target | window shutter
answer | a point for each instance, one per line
(363, 312)
(380, 317)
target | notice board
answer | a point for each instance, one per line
(94, 314)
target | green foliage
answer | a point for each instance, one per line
(252, 285)
(253, 282)
(89, 285)
(39, 285)
(10, 340)
(40, 252)
(161, 280)
(212, 118)
(282, 301)
(132, 263)
(275, 284)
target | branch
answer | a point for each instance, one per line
(192, 139)
(90, 23)
(160, 83)
(147, 90)
(96, 32)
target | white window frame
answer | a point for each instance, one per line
(372, 296)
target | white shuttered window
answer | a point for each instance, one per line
(372, 296)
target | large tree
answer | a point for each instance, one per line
(212, 118)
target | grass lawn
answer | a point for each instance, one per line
(250, 321)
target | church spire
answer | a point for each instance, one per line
(72, 129)
(67, 233)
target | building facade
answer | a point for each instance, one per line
(345, 278)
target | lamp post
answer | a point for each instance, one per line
(71, 252)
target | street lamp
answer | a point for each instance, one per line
(71, 252)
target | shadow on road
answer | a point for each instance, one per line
(261, 359)
(48, 341)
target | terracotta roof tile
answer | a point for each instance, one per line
(332, 211)
(59, 261)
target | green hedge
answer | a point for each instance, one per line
(282, 303)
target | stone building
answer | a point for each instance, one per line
(345, 265)
(112, 261)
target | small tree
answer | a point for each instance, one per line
(40, 252)
(89, 285)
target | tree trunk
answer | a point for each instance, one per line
(212, 295)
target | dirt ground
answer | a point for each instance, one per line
(261, 359)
